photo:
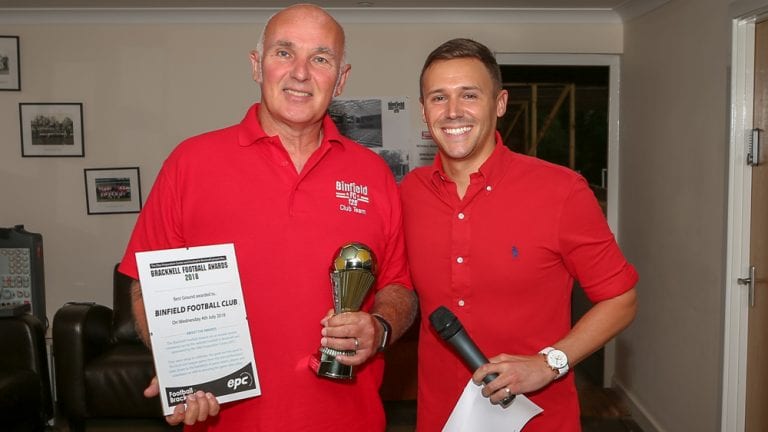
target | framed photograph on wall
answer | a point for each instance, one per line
(112, 190)
(10, 64)
(51, 129)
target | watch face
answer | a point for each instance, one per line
(557, 359)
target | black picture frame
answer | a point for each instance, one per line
(112, 190)
(51, 129)
(10, 63)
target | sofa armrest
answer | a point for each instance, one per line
(81, 332)
(23, 338)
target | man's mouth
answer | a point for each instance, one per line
(297, 93)
(458, 130)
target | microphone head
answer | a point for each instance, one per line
(444, 322)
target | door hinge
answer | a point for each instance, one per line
(750, 283)
(753, 155)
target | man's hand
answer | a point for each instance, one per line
(519, 374)
(196, 408)
(361, 332)
(351, 331)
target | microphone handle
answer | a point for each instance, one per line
(474, 358)
(490, 377)
(470, 353)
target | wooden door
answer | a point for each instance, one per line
(757, 350)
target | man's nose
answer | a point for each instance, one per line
(454, 108)
(300, 70)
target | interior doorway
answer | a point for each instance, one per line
(746, 295)
(560, 114)
(757, 339)
(564, 108)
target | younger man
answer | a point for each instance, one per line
(499, 238)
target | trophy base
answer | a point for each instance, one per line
(324, 364)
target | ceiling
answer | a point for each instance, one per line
(464, 4)
(613, 5)
(625, 9)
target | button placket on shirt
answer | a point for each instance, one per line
(299, 177)
(461, 235)
(283, 160)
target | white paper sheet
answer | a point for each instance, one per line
(197, 323)
(474, 412)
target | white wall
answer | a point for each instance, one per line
(144, 87)
(674, 154)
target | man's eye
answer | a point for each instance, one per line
(470, 96)
(282, 53)
(321, 60)
(438, 98)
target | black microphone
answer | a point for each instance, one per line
(450, 330)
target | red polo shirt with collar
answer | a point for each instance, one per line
(238, 185)
(504, 259)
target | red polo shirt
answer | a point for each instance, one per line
(238, 185)
(504, 259)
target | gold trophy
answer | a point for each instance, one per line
(352, 276)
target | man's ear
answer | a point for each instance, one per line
(342, 80)
(501, 103)
(256, 66)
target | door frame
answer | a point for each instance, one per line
(613, 63)
(744, 15)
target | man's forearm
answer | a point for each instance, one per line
(398, 305)
(601, 323)
(137, 303)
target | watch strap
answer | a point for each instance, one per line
(387, 331)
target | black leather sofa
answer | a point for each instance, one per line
(101, 365)
(25, 390)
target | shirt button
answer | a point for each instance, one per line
(461, 215)
(488, 188)
(461, 303)
(460, 260)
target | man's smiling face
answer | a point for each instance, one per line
(300, 69)
(461, 106)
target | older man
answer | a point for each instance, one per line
(274, 186)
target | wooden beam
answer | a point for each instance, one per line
(536, 137)
(572, 128)
(534, 126)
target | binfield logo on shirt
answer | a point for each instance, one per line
(354, 196)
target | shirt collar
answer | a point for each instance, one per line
(490, 170)
(251, 131)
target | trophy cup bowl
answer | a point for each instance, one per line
(352, 276)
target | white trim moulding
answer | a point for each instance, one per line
(12, 16)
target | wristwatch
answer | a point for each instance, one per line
(387, 331)
(557, 360)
